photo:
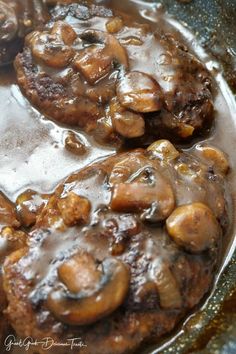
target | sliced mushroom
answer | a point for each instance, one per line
(104, 90)
(97, 60)
(125, 168)
(8, 23)
(50, 47)
(112, 45)
(92, 293)
(158, 200)
(139, 92)
(216, 157)
(93, 63)
(28, 205)
(104, 131)
(128, 124)
(141, 189)
(74, 209)
(167, 287)
(194, 227)
(64, 31)
(80, 273)
(163, 150)
(74, 144)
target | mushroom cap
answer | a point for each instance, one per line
(193, 226)
(214, 156)
(139, 92)
(84, 307)
(139, 186)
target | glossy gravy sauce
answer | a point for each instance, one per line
(32, 148)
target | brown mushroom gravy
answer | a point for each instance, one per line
(126, 241)
(88, 68)
(126, 246)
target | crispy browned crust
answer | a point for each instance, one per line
(52, 98)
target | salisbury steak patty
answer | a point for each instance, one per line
(123, 249)
(98, 69)
(10, 240)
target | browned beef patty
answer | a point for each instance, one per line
(98, 69)
(122, 251)
(10, 240)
